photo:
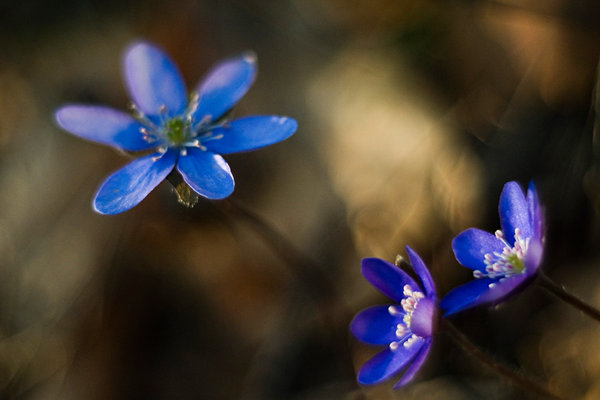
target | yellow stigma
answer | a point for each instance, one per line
(516, 262)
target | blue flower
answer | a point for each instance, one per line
(505, 262)
(405, 328)
(189, 135)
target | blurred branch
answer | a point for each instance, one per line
(513, 376)
(310, 274)
(305, 269)
(559, 291)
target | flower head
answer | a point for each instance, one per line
(406, 328)
(189, 134)
(502, 262)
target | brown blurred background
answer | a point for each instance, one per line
(412, 115)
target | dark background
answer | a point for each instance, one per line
(412, 116)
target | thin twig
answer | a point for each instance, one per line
(515, 377)
(545, 282)
(307, 272)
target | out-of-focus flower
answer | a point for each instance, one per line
(406, 328)
(188, 134)
(502, 263)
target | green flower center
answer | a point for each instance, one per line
(516, 262)
(177, 131)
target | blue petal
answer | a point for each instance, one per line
(466, 296)
(127, 187)
(471, 246)
(503, 289)
(416, 364)
(225, 85)
(388, 278)
(422, 271)
(479, 292)
(387, 363)
(375, 325)
(153, 80)
(103, 125)
(534, 256)
(251, 133)
(514, 212)
(536, 218)
(207, 173)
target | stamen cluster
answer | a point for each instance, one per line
(409, 305)
(508, 263)
(181, 131)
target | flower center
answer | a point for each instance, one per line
(508, 263)
(181, 131)
(412, 319)
(177, 131)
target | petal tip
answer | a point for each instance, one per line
(250, 57)
(64, 113)
(532, 186)
(219, 196)
(371, 262)
(100, 208)
(59, 116)
(290, 125)
(139, 44)
(512, 185)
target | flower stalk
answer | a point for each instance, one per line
(514, 377)
(304, 269)
(559, 291)
(307, 272)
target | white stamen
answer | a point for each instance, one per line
(509, 262)
(410, 341)
(393, 310)
(207, 119)
(401, 331)
(409, 304)
(156, 158)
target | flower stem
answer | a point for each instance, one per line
(545, 282)
(510, 374)
(308, 273)
(305, 269)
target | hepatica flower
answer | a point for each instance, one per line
(188, 134)
(406, 328)
(503, 262)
